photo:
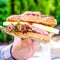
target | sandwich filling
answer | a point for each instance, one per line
(24, 28)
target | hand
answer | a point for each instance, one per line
(23, 49)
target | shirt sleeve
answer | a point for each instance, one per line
(5, 52)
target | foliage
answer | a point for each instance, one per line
(9, 7)
(4, 37)
(47, 7)
(4, 9)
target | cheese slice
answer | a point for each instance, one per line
(46, 28)
(9, 23)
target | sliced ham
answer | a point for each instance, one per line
(38, 30)
(26, 28)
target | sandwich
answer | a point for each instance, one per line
(37, 28)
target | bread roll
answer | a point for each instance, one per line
(45, 20)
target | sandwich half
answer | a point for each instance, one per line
(36, 28)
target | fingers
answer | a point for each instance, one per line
(30, 52)
(26, 42)
(27, 13)
(21, 43)
(36, 13)
(31, 13)
(18, 42)
(35, 45)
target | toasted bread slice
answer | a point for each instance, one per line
(45, 20)
(30, 35)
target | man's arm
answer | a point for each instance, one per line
(5, 52)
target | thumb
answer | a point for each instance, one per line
(17, 41)
(27, 13)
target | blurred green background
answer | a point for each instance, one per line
(10, 7)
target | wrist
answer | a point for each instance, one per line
(11, 52)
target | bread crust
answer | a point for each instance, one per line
(31, 35)
(45, 20)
